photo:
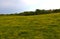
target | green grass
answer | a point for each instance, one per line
(30, 27)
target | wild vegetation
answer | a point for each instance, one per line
(46, 26)
(36, 12)
(39, 12)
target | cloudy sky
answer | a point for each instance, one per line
(12, 6)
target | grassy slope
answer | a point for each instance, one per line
(30, 27)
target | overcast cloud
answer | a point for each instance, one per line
(12, 6)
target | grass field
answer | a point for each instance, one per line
(30, 27)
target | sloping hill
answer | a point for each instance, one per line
(30, 27)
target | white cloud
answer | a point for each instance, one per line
(7, 4)
(21, 5)
(30, 2)
(42, 4)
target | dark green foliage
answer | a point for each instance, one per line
(36, 12)
(27, 13)
(56, 10)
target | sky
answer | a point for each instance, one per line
(14, 6)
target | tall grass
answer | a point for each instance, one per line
(30, 27)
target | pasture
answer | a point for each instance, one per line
(30, 27)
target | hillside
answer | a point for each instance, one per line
(30, 27)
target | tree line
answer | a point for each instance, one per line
(36, 12)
